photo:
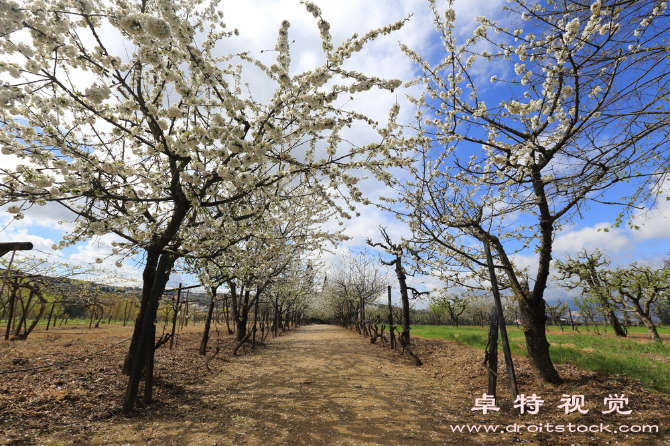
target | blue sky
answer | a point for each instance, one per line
(258, 22)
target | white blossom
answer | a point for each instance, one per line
(132, 24)
(97, 93)
(157, 27)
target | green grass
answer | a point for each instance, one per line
(604, 354)
(70, 323)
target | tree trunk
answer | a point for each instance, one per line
(275, 319)
(648, 323)
(126, 312)
(404, 297)
(533, 319)
(208, 321)
(256, 305)
(614, 322)
(50, 315)
(149, 367)
(90, 322)
(24, 314)
(23, 336)
(184, 319)
(34, 292)
(240, 310)
(12, 304)
(146, 340)
(226, 314)
(651, 328)
(147, 282)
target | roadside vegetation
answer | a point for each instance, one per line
(636, 357)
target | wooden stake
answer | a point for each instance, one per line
(492, 353)
(501, 320)
(391, 328)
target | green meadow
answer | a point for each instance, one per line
(634, 356)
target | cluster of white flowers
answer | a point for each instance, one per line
(595, 7)
(324, 31)
(84, 6)
(595, 91)
(11, 17)
(132, 24)
(149, 55)
(312, 8)
(97, 93)
(283, 58)
(571, 30)
(157, 27)
(450, 16)
(519, 108)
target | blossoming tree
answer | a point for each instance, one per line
(123, 114)
(267, 246)
(576, 106)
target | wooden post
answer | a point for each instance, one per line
(492, 353)
(501, 320)
(5, 247)
(174, 316)
(184, 319)
(391, 328)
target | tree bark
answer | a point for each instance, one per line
(256, 305)
(646, 320)
(614, 322)
(147, 281)
(146, 340)
(24, 313)
(533, 319)
(50, 315)
(10, 314)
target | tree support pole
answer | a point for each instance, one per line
(391, 328)
(491, 361)
(501, 321)
(174, 316)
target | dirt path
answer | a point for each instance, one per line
(318, 385)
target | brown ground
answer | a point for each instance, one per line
(317, 385)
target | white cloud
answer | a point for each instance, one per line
(653, 223)
(614, 240)
(46, 216)
(22, 235)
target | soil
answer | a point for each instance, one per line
(317, 385)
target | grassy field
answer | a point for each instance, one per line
(634, 356)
